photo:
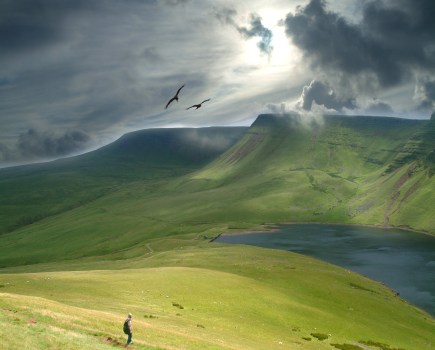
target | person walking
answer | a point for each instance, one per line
(128, 329)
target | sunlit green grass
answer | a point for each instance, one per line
(213, 296)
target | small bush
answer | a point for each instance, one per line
(306, 338)
(381, 346)
(356, 286)
(200, 326)
(177, 305)
(320, 336)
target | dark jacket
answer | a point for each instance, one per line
(130, 327)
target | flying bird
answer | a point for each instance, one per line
(199, 105)
(175, 98)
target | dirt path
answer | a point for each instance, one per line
(149, 248)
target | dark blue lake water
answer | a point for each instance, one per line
(403, 260)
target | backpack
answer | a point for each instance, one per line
(126, 328)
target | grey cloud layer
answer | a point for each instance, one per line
(323, 94)
(425, 94)
(29, 25)
(392, 39)
(33, 143)
(392, 44)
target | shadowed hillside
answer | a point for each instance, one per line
(32, 192)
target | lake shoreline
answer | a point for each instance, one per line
(388, 255)
(275, 228)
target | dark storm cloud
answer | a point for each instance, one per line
(323, 94)
(256, 29)
(391, 41)
(425, 94)
(31, 24)
(36, 144)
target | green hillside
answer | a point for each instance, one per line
(32, 192)
(339, 169)
(141, 244)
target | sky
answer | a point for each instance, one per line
(78, 74)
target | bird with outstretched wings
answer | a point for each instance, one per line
(199, 104)
(175, 98)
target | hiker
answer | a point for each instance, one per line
(128, 328)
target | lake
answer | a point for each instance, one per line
(402, 260)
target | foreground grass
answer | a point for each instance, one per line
(208, 297)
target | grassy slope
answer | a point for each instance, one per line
(279, 171)
(356, 170)
(229, 298)
(33, 192)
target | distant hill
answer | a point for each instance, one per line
(32, 192)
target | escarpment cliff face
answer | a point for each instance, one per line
(368, 170)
